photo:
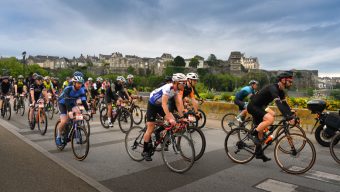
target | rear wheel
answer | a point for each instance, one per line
(50, 110)
(322, 137)
(124, 120)
(202, 121)
(335, 148)
(137, 115)
(59, 147)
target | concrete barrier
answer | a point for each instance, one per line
(217, 109)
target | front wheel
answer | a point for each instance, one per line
(124, 120)
(296, 161)
(42, 121)
(179, 157)
(80, 143)
(229, 122)
(137, 115)
(8, 111)
(21, 107)
(335, 148)
(103, 118)
(50, 110)
(322, 137)
(198, 140)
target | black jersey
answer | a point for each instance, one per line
(266, 95)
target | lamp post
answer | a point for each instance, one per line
(24, 62)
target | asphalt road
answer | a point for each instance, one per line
(108, 167)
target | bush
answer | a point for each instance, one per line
(207, 95)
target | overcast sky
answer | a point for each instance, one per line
(303, 34)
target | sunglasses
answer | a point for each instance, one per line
(290, 80)
(182, 82)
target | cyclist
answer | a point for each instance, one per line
(131, 86)
(247, 91)
(49, 85)
(110, 97)
(264, 116)
(55, 82)
(37, 89)
(5, 89)
(20, 87)
(119, 88)
(158, 104)
(67, 100)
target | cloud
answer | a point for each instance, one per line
(282, 34)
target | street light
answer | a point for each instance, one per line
(24, 62)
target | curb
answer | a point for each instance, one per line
(95, 184)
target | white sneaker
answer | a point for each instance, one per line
(110, 124)
(239, 119)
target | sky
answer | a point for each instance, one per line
(283, 35)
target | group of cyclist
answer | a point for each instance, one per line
(168, 98)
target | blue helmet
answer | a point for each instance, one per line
(78, 73)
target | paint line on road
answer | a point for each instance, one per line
(279, 186)
(322, 176)
(100, 187)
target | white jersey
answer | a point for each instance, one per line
(156, 95)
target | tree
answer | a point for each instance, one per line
(194, 62)
(179, 62)
(131, 70)
(212, 60)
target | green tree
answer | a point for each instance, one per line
(212, 60)
(194, 62)
(179, 61)
(131, 70)
(335, 93)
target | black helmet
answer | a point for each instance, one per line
(39, 77)
(285, 74)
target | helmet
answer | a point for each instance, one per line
(5, 77)
(79, 79)
(192, 76)
(129, 76)
(253, 82)
(20, 77)
(39, 77)
(99, 79)
(179, 77)
(90, 79)
(47, 78)
(285, 74)
(78, 73)
(120, 78)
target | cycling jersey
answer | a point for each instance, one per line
(5, 88)
(120, 90)
(70, 96)
(48, 86)
(244, 92)
(156, 95)
(20, 87)
(38, 89)
(188, 92)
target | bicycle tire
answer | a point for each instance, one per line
(188, 158)
(135, 111)
(293, 169)
(228, 122)
(201, 122)
(245, 143)
(50, 110)
(103, 118)
(59, 147)
(42, 127)
(31, 124)
(199, 149)
(335, 148)
(22, 107)
(278, 132)
(124, 120)
(77, 137)
(134, 143)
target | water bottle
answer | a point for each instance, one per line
(153, 138)
(269, 139)
(114, 112)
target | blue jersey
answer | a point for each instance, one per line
(244, 92)
(70, 96)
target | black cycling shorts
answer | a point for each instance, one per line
(152, 111)
(257, 112)
(240, 104)
(62, 109)
(110, 97)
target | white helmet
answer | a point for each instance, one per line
(120, 78)
(129, 76)
(90, 79)
(179, 77)
(99, 79)
(253, 82)
(192, 76)
(79, 79)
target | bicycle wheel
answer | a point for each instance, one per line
(49, 110)
(239, 145)
(178, 156)
(295, 162)
(16, 106)
(80, 142)
(55, 107)
(202, 120)
(134, 142)
(31, 123)
(296, 130)
(103, 118)
(22, 107)
(59, 147)
(7, 110)
(85, 124)
(335, 148)
(137, 115)
(198, 140)
(124, 120)
(229, 122)
(42, 122)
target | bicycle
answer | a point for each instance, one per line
(202, 120)
(137, 113)
(239, 141)
(176, 148)
(19, 104)
(49, 106)
(335, 148)
(229, 122)
(39, 116)
(75, 132)
(6, 107)
(118, 112)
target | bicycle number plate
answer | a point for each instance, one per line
(8, 97)
(122, 104)
(50, 97)
(41, 105)
(22, 95)
(79, 117)
(191, 118)
(81, 108)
